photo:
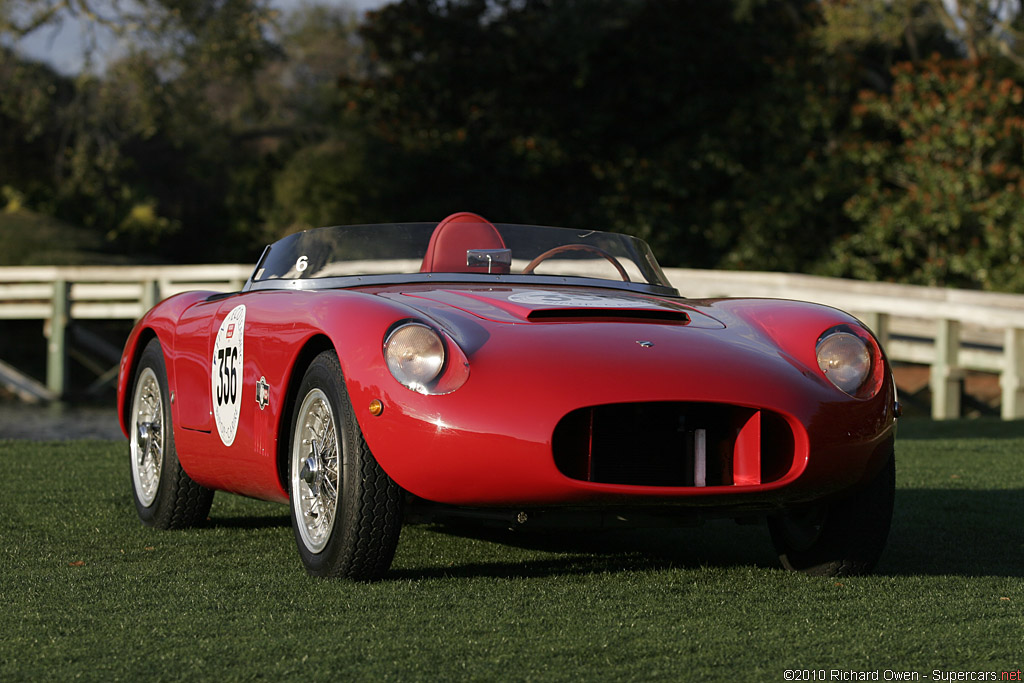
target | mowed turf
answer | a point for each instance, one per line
(87, 592)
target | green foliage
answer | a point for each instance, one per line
(727, 134)
(143, 227)
(155, 154)
(33, 239)
(13, 199)
(673, 121)
(30, 127)
(975, 29)
(943, 196)
(493, 103)
(318, 187)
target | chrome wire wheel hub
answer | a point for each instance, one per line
(147, 437)
(316, 461)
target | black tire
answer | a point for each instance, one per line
(845, 537)
(165, 496)
(346, 511)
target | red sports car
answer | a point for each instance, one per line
(517, 372)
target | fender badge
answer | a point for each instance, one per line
(645, 344)
(262, 392)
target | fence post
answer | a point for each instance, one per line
(57, 333)
(150, 295)
(946, 374)
(878, 323)
(1011, 380)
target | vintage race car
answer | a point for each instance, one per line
(518, 373)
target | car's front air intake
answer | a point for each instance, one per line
(673, 444)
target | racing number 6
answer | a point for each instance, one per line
(220, 376)
(233, 380)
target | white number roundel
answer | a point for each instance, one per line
(226, 375)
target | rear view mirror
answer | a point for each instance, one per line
(488, 257)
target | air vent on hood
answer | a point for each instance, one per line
(643, 315)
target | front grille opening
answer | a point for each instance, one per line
(673, 444)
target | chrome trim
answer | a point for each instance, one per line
(353, 281)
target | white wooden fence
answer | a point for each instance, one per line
(58, 295)
(949, 330)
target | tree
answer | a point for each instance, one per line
(167, 148)
(330, 170)
(30, 100)
(977, 29)
(943, 198)
(681, 122)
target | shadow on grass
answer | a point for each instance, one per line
(935, 532)
(956, 532)
(720, 543)
(570, 565)
(249, 522)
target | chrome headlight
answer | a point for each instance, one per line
(415, 355)
(845, 358)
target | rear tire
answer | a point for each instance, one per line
(165, 496)
(346, 511)
(844, 537)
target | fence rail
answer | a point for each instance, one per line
(949, 330)
(59, 295)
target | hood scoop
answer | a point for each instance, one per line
(640, 315)
(517, 305)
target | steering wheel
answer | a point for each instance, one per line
(532, 265)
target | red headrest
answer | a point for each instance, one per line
(453, 237)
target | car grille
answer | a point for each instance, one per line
(673, 444)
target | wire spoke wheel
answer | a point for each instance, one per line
(316, 470)
(165, 496)
(346, 511)
(147, 437)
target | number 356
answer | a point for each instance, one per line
(227, 389)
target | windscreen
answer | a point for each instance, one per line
(462, 248)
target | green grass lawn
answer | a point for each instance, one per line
(87, 592)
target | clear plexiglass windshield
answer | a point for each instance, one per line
(456, 250)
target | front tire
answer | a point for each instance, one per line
(165, 496)
(845, 537)
(346, 511)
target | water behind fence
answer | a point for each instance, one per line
(58, 422)
(950, 331)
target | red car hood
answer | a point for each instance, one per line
(648, 348)
(527, 304)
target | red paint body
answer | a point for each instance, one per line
(490, 441)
